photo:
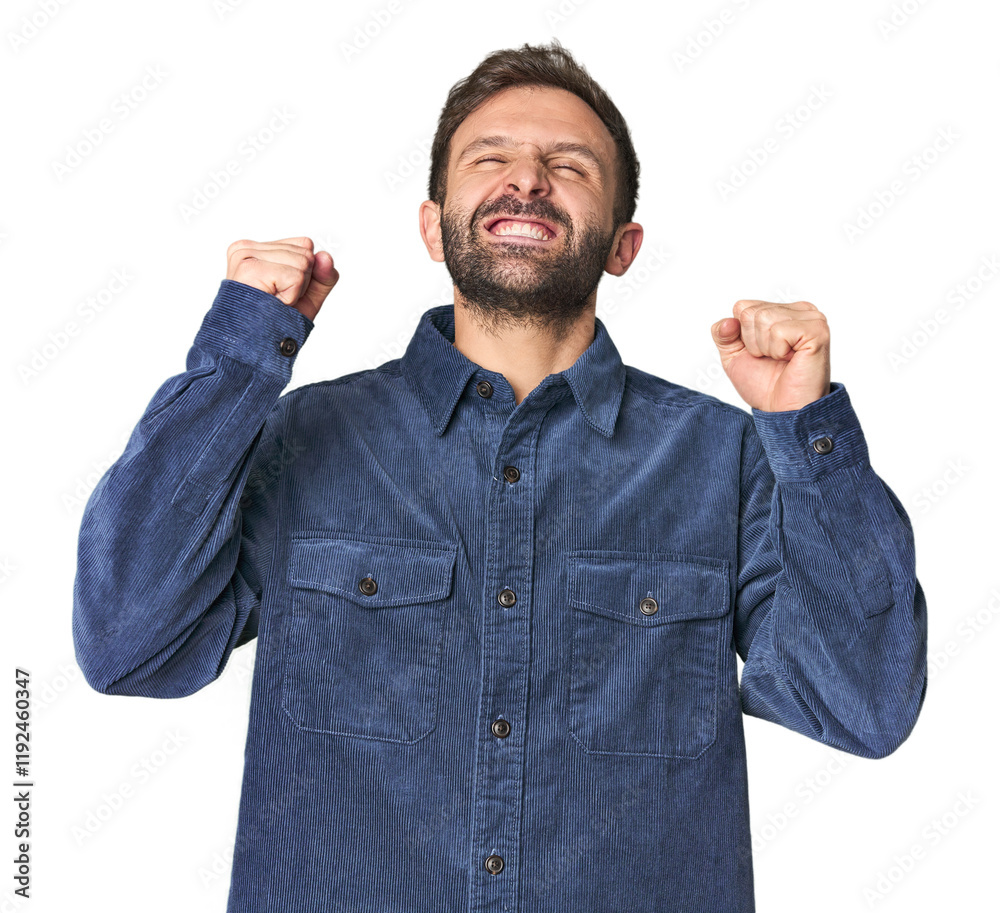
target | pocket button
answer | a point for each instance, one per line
(648, 606)
(368, 586)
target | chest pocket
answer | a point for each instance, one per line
(645, 682)
(363, 645)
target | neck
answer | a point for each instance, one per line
(524, 353)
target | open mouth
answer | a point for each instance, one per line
(521, 229)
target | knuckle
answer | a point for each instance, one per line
(238, 245)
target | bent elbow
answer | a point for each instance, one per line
(895, 722)
(114, 666)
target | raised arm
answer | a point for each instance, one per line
(830, 619)
(176, 537)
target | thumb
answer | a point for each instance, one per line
(324, 277)
(727, 338)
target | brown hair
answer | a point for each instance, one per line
(540, 65)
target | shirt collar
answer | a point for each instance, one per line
(440, 372)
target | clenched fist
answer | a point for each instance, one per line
(776, 355)
(287, 269)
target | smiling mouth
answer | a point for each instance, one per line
(522, 230)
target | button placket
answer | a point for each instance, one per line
(505, 655)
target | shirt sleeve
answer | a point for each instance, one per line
(830, 619)
(176, 538)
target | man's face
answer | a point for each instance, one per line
(539, 156)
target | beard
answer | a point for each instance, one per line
(509, 283)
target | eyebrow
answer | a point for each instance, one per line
(495, 142)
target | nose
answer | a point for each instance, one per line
(526, 177)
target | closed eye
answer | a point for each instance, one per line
(493, 158)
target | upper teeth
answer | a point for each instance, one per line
(525, 229)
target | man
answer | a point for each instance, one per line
(499, 585)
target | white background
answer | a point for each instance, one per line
(349, 169)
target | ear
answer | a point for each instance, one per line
(430, 229)
(628, 240)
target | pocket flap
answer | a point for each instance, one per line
(614, 583)
(405, 571)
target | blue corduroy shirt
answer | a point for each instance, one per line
(497, 642)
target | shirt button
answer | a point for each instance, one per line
(484, 388)
(288, 346)
(506, 598)
(368, 586)
(501, 729)
(511, 473)
(494, 864)
(823, 445)
(648, 606)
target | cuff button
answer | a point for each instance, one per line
(823, 445)
(288, 346)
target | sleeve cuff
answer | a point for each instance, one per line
(805, 444)
(255, 327)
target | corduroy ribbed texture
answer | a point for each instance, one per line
(408, 590)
